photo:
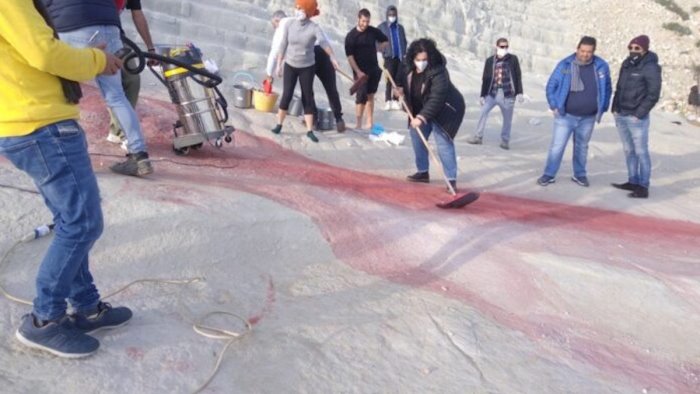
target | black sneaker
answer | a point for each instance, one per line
(545, 180)
(103, 317)
(58, 337)
(277, 129)
(312, 136)
(136, 164)
(422, 177)
(625, 186)
(581, 180)
(340, 126)
(639, 192)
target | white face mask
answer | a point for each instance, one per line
(500, 52)
(300, 15)
(392, 19)
(421, 65)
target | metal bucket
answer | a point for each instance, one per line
(326, 120)
(242, 97)
(296, 107)
(243, 91)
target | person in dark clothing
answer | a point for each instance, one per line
(694, 99)
(394, 53)
(501, 84)
(363, 45)
(637, 92)
(578, 93)
(84, 24)
(435, 102)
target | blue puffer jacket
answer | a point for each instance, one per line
(559, 85)
(69, 15)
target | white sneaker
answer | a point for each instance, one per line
(388, 106)
(113, 138)
(396, 105)
(123, 145)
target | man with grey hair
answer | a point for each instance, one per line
(324, 69)
(501, 85)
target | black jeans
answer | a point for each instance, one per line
(392, 65)
(306, 80)
(326, 74)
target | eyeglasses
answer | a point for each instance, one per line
(503, 46)
(634, 48)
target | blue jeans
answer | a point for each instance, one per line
(634, 134)
(57, 159)
(564, 126)
(111, 85)
(446, 150)
(506, 105)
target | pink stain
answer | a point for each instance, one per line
(367, 219)
(134, 353)
(267, 306)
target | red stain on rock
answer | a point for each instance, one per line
(379, 225)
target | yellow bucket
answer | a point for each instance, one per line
(264, 102)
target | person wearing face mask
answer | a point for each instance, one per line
(437, 105)
(501, 85)
(578, 93)
(296, 55)
(324, 69)
(363, 45)
(637, 92)
(394, 52)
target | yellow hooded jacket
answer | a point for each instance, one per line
(31, 60)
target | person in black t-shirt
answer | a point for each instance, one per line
(363, 44)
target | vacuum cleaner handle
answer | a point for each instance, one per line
(420, 134)
(213, 79)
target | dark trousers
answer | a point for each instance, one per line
(326, 74)
(306, 80)
(393, 66)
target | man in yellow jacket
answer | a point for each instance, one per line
(40, 136)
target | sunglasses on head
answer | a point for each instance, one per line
(634, 48)
(503, 46)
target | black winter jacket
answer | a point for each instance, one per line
(515, 75)
(442, 102)
(638, 86)
(69, 15)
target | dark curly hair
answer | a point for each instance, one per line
(435, 58)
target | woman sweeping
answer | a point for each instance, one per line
(437, 106)
(301, 35)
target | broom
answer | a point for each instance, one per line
(356, 84)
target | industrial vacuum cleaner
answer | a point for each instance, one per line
(202, 109)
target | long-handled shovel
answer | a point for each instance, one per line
(459, 200)
(356, 84)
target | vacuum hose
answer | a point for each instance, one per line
(132, 51)
(136, 53)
